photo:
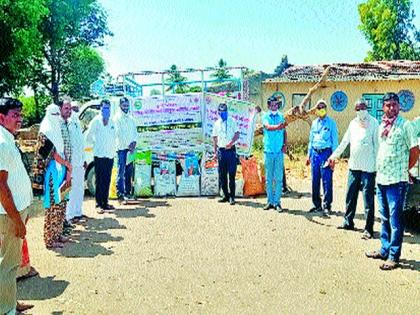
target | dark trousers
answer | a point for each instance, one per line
(125, 173)
(227, 166)
(364, 181)
(103, 171)
(324, 174)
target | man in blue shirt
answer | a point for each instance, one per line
(323, 140)
(274, 147)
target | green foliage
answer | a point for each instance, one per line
(221, 72)
(20, 41)
(284, 64)
(70, 25)
(387, 26)
(176, 81)
(195, 89)
(34, 108)
(84, 66)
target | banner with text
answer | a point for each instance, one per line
(242, 112)
(172, 123)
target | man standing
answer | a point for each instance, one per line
(126, 132)
(225, 134)
(274, 147)
(74, 206)
(362, 135)
(398, 152)
(101, 132)
(15, 197)
(323, 140)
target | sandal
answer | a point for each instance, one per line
(367, 236)
(375, 255)
(64, 239)
(55, 245)
(389, 265)
(32, 273)
(21, 307)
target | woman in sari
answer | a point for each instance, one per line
(55, 152)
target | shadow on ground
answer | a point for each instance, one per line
(134, 213)
(89, 242)
(38, 288)
(410, 264)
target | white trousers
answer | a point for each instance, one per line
(75, 203)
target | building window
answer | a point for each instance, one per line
(297, 99)
(374, 105)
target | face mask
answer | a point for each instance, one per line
(124, 109)
(224, 115)
(106, 112)
(321, 112)
(362, 114)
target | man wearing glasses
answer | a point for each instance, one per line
(362, 135)
(323, 140)
(15, 198)
(225, 134)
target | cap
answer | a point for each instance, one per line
(321, 101)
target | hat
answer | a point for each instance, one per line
(321, 101)
(222, 107)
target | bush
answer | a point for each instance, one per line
(31, 113)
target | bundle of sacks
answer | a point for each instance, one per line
(143, 174)
(253, 185)
(189, 184)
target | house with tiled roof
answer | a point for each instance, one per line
(345, 84)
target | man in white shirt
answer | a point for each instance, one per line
(362, 135)
(126, 131)
(15, 197)
(78, 163)
(225, 134)
(101, 132)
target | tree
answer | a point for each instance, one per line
(388, 27)
(195, 89)
(221, 72)
(20, 41)
(176, 81)
(69, 24)
(84, 66)
(284, 64)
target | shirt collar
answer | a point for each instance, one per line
(7, 134)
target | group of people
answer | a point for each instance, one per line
(381, 155)
(58, 173)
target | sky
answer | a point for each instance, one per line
(154, 34)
